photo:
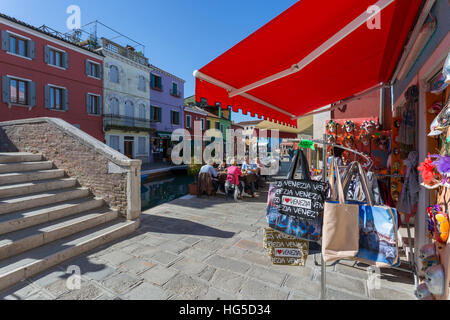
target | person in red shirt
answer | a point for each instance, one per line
(233, 174)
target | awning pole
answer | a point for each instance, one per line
(330, 43)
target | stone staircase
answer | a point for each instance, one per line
(46, 217)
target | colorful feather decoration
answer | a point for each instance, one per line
(426, 169)
(442, 164)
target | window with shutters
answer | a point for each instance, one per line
(56, 98)
(114, 74)
(94, 104)
(93, 69)
(203, 124)
(18, 91)
(155, 114)
(141, 84)
(188, 121)
(18, 45)
(208, 124)
(142, 112)
(175, 117)
(156, 82)
(114, 142)
(114, 105)
(218, 125)
(142, 145)
(56, 58)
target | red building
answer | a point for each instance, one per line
(44, 75)
(191, 115)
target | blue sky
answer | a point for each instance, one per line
(179, 35)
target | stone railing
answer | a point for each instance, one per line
(105, 171)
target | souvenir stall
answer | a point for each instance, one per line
(435, 173)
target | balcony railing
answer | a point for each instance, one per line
(118, 49)
(112, 121)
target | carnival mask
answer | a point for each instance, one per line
(364, 139)
(331, 139)
(396, 165)
(369, 126)
(395, 196)
(435, 280)
(349, 126)
(348, 141)
(442, 227)
(422, 292)
(332, 126)
(397, 123)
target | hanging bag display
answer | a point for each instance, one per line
(340, 222)
(295, 207)
(378, 226)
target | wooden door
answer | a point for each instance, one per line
(128, 149)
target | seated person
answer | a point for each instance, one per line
(209, 168)
(233, 174)
(222, 166)
(252, 174)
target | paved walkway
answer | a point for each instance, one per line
(203, 249)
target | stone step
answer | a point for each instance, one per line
(25, 219)
(21, 189)
(18, 242)
(14, 204)
(7, 157)
(18, 177)
(25, 166)
(28, 264)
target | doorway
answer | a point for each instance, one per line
(128, 147)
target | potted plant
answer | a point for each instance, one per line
(193, 170)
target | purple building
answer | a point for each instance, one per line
(166, 111)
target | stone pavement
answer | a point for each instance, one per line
(203, 248)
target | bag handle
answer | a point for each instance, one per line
(299, 159)
(334, 169)
(363, 178)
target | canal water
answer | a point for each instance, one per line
(164, 189)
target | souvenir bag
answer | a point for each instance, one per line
(340, 238)
(378, 226)
(284, 249)
(295, 207)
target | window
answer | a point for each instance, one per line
(17, 45)
(142, 145)
(155, 114)
(203, 124)
(94, 104)
(141, 84)
(174, 91)
(19, 91)
(142, 112)
(129, 109)
(188, 122)
(156, 82)
(175, 117)
(208, 124)
(56, 98)
(114, 142)
(114, 106)
(218, 125)
(93, 69)
(114, 74)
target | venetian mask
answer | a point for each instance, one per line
(348, 141)
(422, 292)
(349, 126)
(397, 123)
(394, 187)
(396, 151)
(435, 280)
(442, 227)
(369, 126)
(332, 126)
(331, 139)
(364, 139)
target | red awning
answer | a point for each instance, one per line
(329, 45)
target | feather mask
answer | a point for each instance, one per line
(442, 164)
